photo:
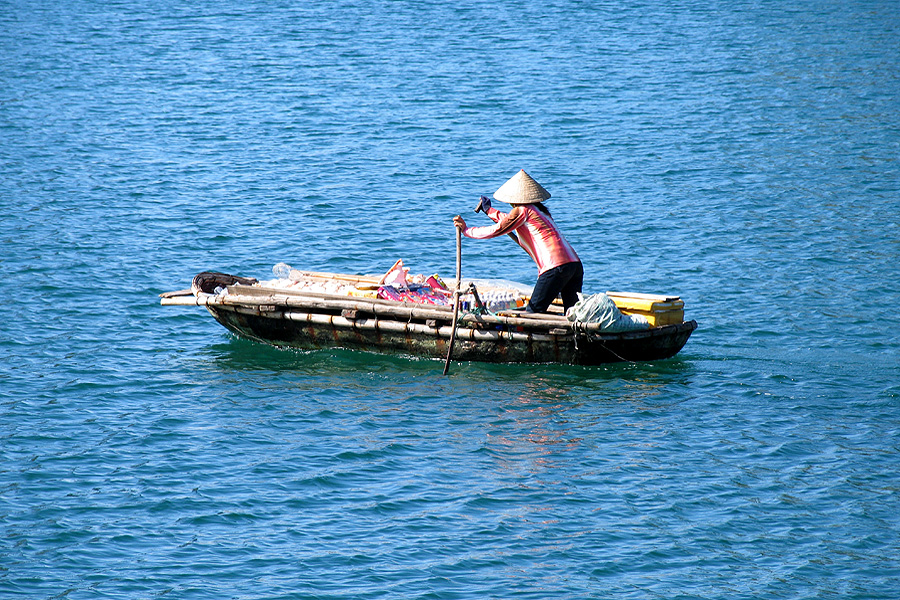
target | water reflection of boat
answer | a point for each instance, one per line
(309, 320)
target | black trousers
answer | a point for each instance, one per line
(565, 280)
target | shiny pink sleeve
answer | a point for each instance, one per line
(504, 223)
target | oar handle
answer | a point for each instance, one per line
(458, 257)
(455, 298)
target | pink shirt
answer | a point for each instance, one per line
(537, 233)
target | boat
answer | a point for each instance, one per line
(314, 319)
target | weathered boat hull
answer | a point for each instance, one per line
(305, 331)
(314, 321)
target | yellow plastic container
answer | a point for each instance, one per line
(358, 293)
(659, 310)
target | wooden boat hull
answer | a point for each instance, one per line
(318, 321)
(279, 329)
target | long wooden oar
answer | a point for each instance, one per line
(455, 298)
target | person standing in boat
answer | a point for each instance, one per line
(529, 222)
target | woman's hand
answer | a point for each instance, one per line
(459, 222)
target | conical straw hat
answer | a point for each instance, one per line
(521, 189)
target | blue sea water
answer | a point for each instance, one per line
(741, 154)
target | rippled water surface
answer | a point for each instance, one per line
(743, 155)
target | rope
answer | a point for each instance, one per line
(576, 325)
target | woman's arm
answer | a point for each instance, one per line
(505, 223)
